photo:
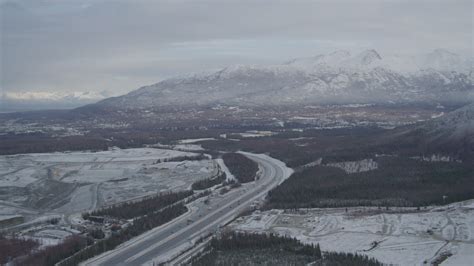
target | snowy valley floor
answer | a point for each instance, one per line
(401, 236)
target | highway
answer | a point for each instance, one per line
(161, 243)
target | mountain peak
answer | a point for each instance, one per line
(330, 59)
(367, 57)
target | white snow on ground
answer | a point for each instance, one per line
(48, 235)
(9, 210)
(21, 170)
(403, 236)
(229, 175)
(83, 198)
(18, 177)
(117, 155)
(464, 256)
(351, 167)
(188, 141)
(437, 158)
(53, 233)
(470, 205)
(262, 221)
(249, 134)
(255, 134)
(101, 178)
(188, 147)
(10, 219)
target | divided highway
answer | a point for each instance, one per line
(166, 241)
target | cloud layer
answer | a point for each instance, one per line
(119, 45)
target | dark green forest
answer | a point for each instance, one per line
(145, 206)
(236, 248)
(241, 167)
(396, 182)
(209, 182)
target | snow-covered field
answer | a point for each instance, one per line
(70, 182)
(21, 170)
(398, 236)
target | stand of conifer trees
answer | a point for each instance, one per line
(183, 158)
(208, 182)
(397, 181)
(145, 206)
(222, 248)
(241, 167)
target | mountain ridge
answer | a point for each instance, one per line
(335, 78)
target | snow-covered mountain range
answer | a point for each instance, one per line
(338, 77)
(14, 101)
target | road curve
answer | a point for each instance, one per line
(161, 243)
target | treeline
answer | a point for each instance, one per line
(145, 206)
(237, 240)
(139, 226)
(51, 255)
(244, 169)
(12, 247)
(196, 157)
(37, 143)
(342, 258)
(209, 182)
(397, 182)
(236, 248)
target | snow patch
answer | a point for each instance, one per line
(229, 175)
(352, 167)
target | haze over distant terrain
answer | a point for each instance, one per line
(37, 100)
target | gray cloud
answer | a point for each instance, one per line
(120, 45)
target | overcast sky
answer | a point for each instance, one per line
(115, 45)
